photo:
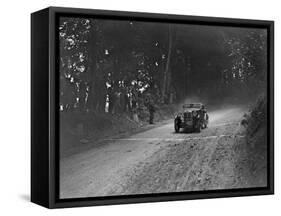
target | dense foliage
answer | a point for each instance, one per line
(116, 66)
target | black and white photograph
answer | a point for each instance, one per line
(150, 107)
(140, 108)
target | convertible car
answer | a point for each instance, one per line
(194, 117)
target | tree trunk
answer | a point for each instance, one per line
(97, 92)
(167, 72)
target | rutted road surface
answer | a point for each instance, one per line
(159, 160)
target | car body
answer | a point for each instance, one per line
(193, 118)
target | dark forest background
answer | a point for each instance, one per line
(111, 69)
(112, 66)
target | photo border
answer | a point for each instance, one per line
(55, 13)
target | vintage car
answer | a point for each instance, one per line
(193, 118)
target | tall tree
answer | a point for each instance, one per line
(167, 71)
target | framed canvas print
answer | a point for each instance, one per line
(138, 107)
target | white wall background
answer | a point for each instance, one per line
(15, 106)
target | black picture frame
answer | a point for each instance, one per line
(45, 99)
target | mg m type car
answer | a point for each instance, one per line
(193, 118)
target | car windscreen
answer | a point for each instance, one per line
(192, 106)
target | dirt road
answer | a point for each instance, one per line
(159, 160)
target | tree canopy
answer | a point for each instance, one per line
(112, 65)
